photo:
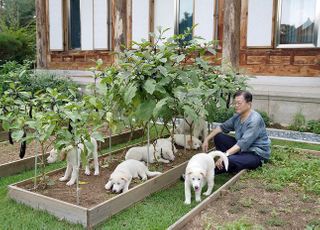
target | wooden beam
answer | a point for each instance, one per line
(231, 33)
(120, 24)
(41, 31)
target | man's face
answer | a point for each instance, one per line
(240, 104)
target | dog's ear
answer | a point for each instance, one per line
(124, 178)
(203, 173)
(189, 173)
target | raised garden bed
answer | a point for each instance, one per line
(96, 204)
(15, 165)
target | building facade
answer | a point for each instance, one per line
(276, 37)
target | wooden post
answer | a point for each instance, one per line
(120, 24)
(231, 33)
(42, 41)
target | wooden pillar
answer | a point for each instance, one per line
(42, 39)
(231, 33)
(120, 24)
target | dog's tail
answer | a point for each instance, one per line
(151, 174)
(214, 154)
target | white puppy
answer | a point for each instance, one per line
(179, 140)
(199, 171)
(165, 143)
(140, 153)
(200, 128)
(121, 177)
(162, 152)
(72, 163)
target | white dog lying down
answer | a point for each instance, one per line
(121, 177)
(179, 140)
(161, 153)
(166, 143)
(72, 163)
(199, 171)
(200, 128)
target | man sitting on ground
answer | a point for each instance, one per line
(251, 145)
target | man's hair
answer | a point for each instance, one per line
(246, 95)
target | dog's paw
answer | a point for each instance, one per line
(70, 183)
(198, 199)
(187, 202)
(96, 173)
(63, 178)
(206, 193)
(144, 178)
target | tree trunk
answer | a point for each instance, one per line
(42, 41)
(231, 33)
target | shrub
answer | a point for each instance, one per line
(33, 81)
(313, 126)
(265, 117)
(219, 114)
(17, 45)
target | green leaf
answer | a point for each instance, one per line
(83, 156)
(5, 125)
(145, 110)
(93, 101)
(180, 58)
(89, 146)
(189, 112)
(98, 136)
(72, 92)
(159, 106)
(150, 86)
(49, 130)
(130, 93)
(17, 135)
(163, 70)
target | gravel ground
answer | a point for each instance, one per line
(295, 135)
(288, 134)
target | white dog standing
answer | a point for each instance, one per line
(200, 128)
(199, 171)
(180, 140)
(121, 177)
(73, 164)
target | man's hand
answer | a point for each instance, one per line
(205, 146)
(219, 164)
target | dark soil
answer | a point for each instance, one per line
(92, 191)
(252, 204)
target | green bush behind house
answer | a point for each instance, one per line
(17, 45)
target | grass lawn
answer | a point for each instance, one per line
(163, 208)
(296, 144)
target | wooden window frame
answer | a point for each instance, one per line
(66, 42)
(216, 17)
(303, 45)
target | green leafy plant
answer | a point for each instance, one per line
(299, 122)
(166, 79)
